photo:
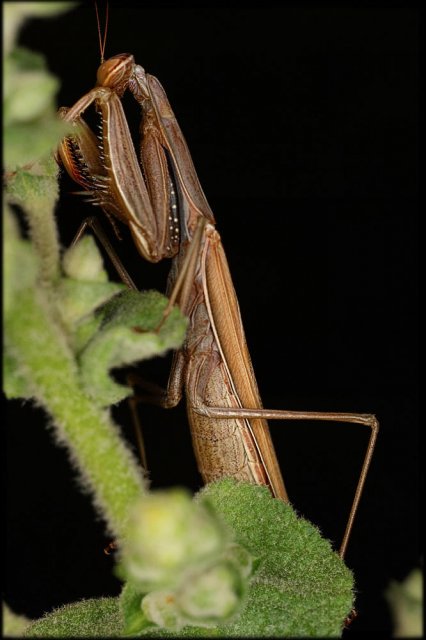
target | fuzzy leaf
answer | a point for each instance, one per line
(15, 13)
(302, 587)
(32, 127)
(95, 618)
(126, 335)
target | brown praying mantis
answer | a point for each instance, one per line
(169, 217)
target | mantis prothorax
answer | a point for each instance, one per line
(168, 216)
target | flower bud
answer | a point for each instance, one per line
(169, 535)
(83, 261)
(212, 596)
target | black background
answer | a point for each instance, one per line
(302, 125)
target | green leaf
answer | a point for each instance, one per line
(15, 13)
(32, 128)
(77, 300)
(98, 617)
(29, 88)
(126, 335)
(301, 587)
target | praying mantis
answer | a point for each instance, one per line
(169, 217)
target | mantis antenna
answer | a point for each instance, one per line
(102, 41)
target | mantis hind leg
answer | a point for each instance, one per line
(366, 419)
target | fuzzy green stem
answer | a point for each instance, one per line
(37, 193)
(106, 465)
(44, 236)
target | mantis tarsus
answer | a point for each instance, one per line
(168, 215)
